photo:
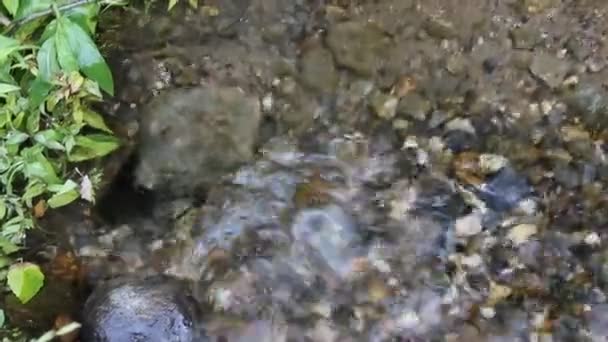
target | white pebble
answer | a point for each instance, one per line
(468, 225)
(593, 239)
(521, 233)
(487, 312)
(267, 102)
(472, 261)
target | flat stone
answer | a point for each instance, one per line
(191, 137)
(357, 46)
(549, 69)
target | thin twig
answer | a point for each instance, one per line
(43, 13)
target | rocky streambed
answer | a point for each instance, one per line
(350, 171)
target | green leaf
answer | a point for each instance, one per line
(63, 198)
(172, 4)
(95, 120)
(38, 92)
(2, 209)
(11, 6)
(7, 247)
(50, 139)
(25, 280)
(47, 60)
(93, 146)
(33, 122)
(18, 120)
(66, 55)
(28, 7)
(7, 47)
(40, 168)
(89, 59)
(61, 188)
(2, 318)
(85, 16)
(8, 88)
(34, 188)
(16, 137)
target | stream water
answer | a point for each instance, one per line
(328, 170)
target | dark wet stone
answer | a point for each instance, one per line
(190, 137)
(153, 309)
(504, 190)
(460, 141)
(490, 64)
(438, 199)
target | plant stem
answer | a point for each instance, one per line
(14, 24)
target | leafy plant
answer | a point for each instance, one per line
(51, 71)
(25, 280)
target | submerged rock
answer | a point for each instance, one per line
(505, 190)
(330, 234)
(550, 69)
(153, 309)
(190, 137)
(357, 45)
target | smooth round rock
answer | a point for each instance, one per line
(127, 309)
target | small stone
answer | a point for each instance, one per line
(525, 37)
(595, 64)
(593, 239)
(440, 28)
(550, 69)
(573, 133)
(384, 106)
(318, 70)
(492, 163)
(456, 64)
(497, 294)
(414, 106)
(521, 233)
(267, 102)
(472, 261)
(408, 320)
(401, 124)
(461, 124)
(468, 225)
(505, 190)
(487, 312)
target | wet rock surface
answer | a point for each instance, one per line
(151, 309)
(373, 170)
(191, 137)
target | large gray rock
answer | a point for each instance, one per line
(191, 137)
(152, 309)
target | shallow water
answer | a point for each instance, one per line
(410, 171)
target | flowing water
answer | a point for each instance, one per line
(392, 170)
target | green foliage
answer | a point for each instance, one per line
(25, 280)
(50, 73)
